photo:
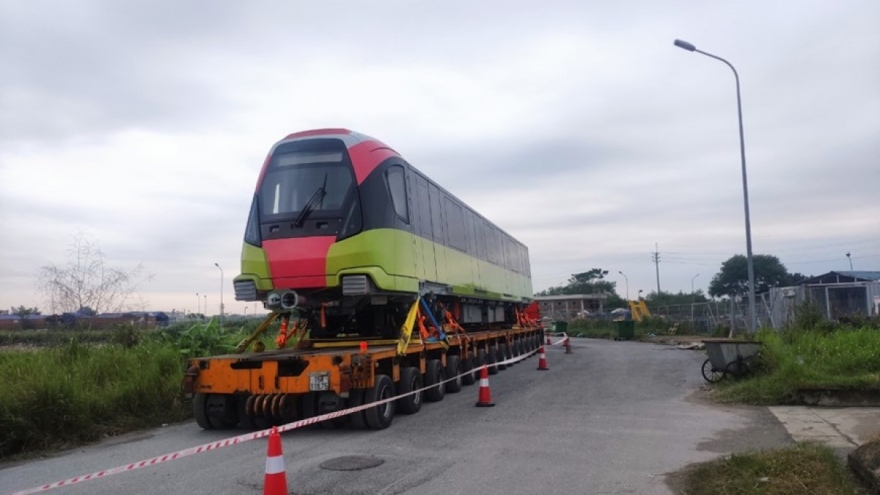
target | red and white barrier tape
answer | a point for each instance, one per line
(247, 436)
(560, 341)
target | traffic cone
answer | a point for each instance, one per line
(485, 399)
(548, 341)
(276, 479)
(542, 360)
(568, 345)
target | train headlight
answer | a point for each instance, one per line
(273, 300)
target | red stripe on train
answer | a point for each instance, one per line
(298, 263)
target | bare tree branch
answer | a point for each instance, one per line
(86, 281)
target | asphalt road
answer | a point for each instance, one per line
(613, 417)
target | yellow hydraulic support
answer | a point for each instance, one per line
(407, 328)
(243, 345)
(638, 309)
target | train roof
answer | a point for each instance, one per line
(352, 139)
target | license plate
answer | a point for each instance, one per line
(319, 381)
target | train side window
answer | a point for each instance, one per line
(436, 219)
(454, 224)
(471, 237)
(423, 206)
(396, 186)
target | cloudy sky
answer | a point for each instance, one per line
(576, 126)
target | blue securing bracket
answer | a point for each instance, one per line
(433, 320)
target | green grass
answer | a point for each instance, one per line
(50, 398)
(804, 468)
(795, 360)
(53, 338)
(56, 397)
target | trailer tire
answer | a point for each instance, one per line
(356, 398)
(502, 355)
(491, 359)
(380, 417)
(203, 404)
(434, 376)
(200, 411)
(410, 379)
(453, 369)
(480, 362)
(467, 367)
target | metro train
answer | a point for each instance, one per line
(348, 234)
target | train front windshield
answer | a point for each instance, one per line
(318, 182)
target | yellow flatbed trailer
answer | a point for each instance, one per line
(260, 389)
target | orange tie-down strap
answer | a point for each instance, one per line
(454, 326)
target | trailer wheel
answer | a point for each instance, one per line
(356, 398)
(434, 375)
(219, 411)
(380, 417)
(200, 411)
(410, 379)
(453, 368)
(491, 359)
(502, 355)
(517, 347)
(481, 361)
(467, 367)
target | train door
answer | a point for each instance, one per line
(424, 230)
(473, 251)
(439, 228)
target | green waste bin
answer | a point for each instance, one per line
(560, 326)
(626, 330)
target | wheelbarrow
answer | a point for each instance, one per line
(729, 357)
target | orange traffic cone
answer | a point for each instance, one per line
(276, 479)
(568, 345)
(542, 360)
(485, 399)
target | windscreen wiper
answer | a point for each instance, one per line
(310, 204)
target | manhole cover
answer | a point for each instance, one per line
(351, 463)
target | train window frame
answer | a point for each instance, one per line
(397, 191)
(455, 226)
(437, 228)
(422, 204)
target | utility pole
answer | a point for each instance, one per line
(655, 257)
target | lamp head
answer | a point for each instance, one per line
(684, 44)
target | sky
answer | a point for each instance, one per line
(576, 126)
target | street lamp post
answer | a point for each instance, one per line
(627, 285)
(199, 303)
(206, 304)
(692, 282)
(640, 294)
(753, 322)
(221, 293)
(850, 261)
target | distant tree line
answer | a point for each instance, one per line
(731, 281)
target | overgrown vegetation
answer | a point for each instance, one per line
(804, 468)
(648, 327)
(809, 360)
(95, 384)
